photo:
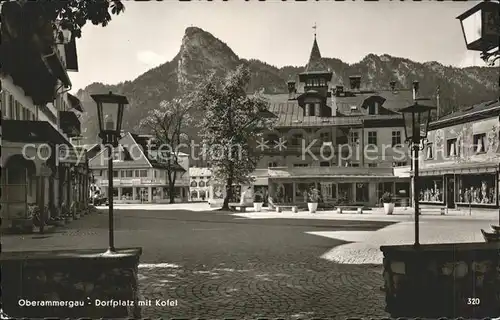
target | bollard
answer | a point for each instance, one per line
(339, 210)
(360, 210)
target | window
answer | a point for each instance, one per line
(373, 165)
(372, 137)
(12, 111)
(273, 139)
(115, 174)
(272, 165)
(354, 164)
(24, 114)
(353, 137)
(17, 111)
(296, 139)
(137, 173)
(325, 136)
(300, 165)
(144, 173)
(116, 155)
(324, 164)
(372, 108)
(322, 82)
(451, 147)
(479, 143)
(396, 138)
(399, 164)
(123, 173)
(430, 151)
(312, 110)
(129, 173)
(193, 184)
(4, 103)
(155, 173)
(201, 184)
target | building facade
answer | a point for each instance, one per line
(344, 140)
(199, 184)
(40, 165)
(139, 176)
(460, 164)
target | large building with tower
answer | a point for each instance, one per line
(345, 140)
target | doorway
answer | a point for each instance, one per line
(450, 192)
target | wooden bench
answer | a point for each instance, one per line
(359, 208)
(242, 207)
(279, 208)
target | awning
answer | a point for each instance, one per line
(336, 177)
(70, 124)
(54, 63)
(466, 168)
(75, 102)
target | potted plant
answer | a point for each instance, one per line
(258, 202)
(312, 200)
(388, 204)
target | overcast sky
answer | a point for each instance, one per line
(280, 33)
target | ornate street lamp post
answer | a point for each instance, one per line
(416, 118)
(110, 113)
(481, 29)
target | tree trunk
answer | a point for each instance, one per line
(171, 186)
(229, 193)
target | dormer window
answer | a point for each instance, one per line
(373, 108)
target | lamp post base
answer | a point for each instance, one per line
(110, 251)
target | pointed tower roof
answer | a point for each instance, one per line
(316, 63)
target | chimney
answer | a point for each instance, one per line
(393, 85)
(355, 82)
(416, 86)
(291, 90)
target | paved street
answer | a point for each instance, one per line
(217, 265)
(249, 266)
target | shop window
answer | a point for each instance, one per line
(477, 189)
(354, 164)
(296, 139)
(300, 165)
(322, 82)
(372, 137)
(451, 147)
(272, 165)
(272, 139)
(324, 164)
(431, 189)
(480, 143)
(396, 138)
(372, 165)
(430, 151)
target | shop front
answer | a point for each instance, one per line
(460, 185)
